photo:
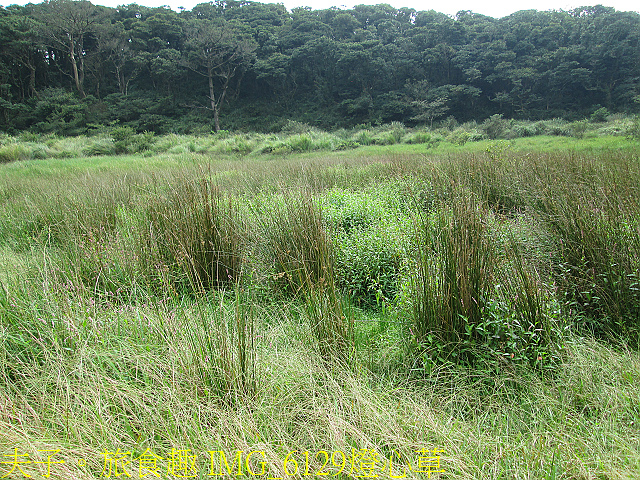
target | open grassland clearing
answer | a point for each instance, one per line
(480, 302)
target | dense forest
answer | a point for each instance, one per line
(69, 67)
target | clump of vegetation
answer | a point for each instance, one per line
(466, 306)
(13, 153)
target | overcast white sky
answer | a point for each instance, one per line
(495, 8)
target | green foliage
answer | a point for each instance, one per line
(61, 112)
(365, 137)
(600, 115)
(300, 143)
(494, 127)
(579, 128)
(421, 138)
(633, 131)
(459, 137)
(101, 146)
(13, 152)
(367, 255)
(69, 67)
(123, 138)
(368, 266)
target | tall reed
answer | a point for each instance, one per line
(454, 270)
(300, 253)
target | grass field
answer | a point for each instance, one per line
(406, 311)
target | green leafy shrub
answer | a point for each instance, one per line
(579, 128)
(123, 138)
(494, 127)
(292, 127)
(398, 130)
(633, 130)
(365, 137)
(61, 112)
(367, 265)
(613, 129)
(459, 137)
(65, 153)
(346, 145)
(600, 115)
(143, 141)
(521, 131)
(344, 210)
(419, 138)
(166, 142)
(300, 143)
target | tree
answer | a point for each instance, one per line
(428, 103)
(19, 45)
(220, 52)
(115, 44)
(66, 23)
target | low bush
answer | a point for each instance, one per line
(368, 266)
(633, 130)
(365, 137)
(494, 127)
(600, 115)
(459, 137)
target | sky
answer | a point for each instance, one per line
(495, 8)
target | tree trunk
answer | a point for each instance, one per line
(74, 66)
(32, 81)
(212, 98)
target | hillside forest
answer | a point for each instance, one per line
(71, 67)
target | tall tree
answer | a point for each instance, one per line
(66, 24)
(220, 52)
(19, 45)
(114, 43)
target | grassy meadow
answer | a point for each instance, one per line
(409, 309)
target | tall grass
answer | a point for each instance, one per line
(195, 229)
(454, 269)
(205, 311)
(183, 235)
(301, 260)
(599, 241)
(221, 347)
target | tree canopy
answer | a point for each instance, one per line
(68, 65)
